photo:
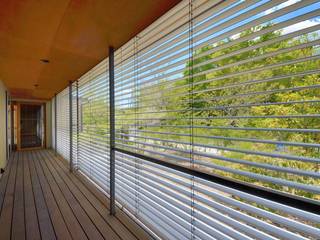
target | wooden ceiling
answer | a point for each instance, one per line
(73, 35)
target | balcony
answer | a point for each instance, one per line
(40, 199)
(188, 120)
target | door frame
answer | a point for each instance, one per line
(44, 140)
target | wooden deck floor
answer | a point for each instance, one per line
(40, 199)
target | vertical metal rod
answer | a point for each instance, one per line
(12, 125)
(70, 128)
(55, 124)
(112, 131)
(6, 109)
(77, 99)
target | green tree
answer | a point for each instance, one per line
(240, 75)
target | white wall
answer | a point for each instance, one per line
(2, 125)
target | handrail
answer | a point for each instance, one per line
(297, 202)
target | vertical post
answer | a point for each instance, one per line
(6, 109)
(44, 125)
(70, 128)
(12, 125)
(77, 101)
(112, 131)
(55, 124)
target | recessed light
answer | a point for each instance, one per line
(44, 60)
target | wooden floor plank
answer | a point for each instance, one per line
(3, 182)
(18, 231)
(6, 213)
(96, 217)
(57, 219)
(41, 199)
(123, 219)
(86, 223)
(32, 226)
(114, 222)
(46, 228)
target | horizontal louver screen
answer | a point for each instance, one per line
(53, 124)
(228, 89)
(180, 206)
(236, 93)
(63, 124)
(93, 129)
(75, 127)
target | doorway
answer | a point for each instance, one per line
(29, 122)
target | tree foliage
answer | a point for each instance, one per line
(262, 83)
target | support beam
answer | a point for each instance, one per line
(77, 102)
(70, 129)
(7, 145)
(112, 131)
(55, 124)
(12, 125)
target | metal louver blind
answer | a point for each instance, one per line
(162, 199)
(75, 125)
(93, 125)
(53, 124)
(230, 89)
(63, 124)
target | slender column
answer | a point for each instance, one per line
(12, 125)
(7, 145)
(70, 129)
(55, 124)
(77, 102)
(112, 131)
